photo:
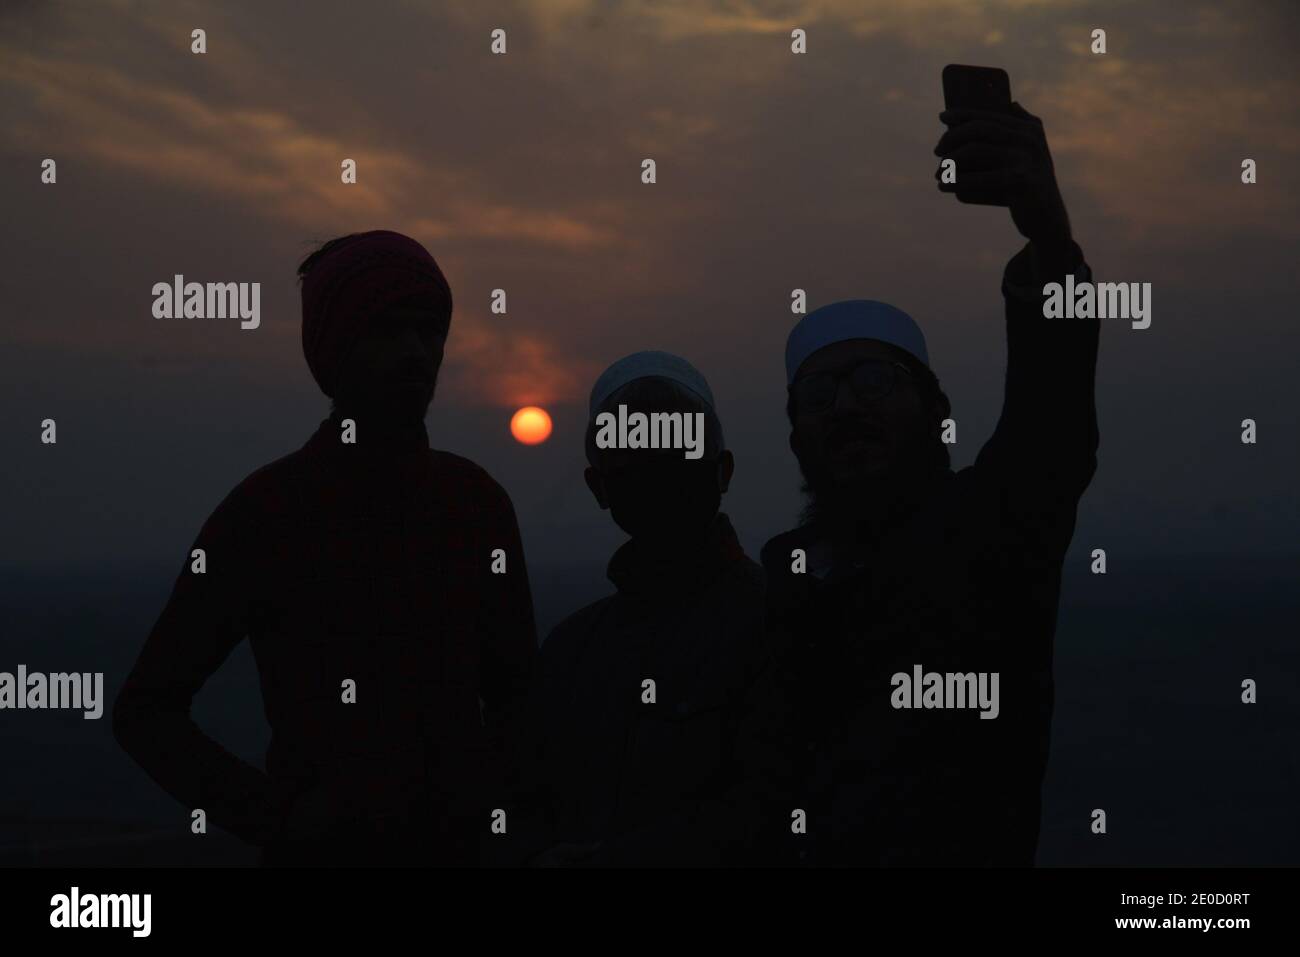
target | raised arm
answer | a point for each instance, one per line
(1043, 452)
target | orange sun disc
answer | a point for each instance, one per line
(530, 425)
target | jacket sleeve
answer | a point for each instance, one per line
(1043, 453)
(206, 616)
(507, 641)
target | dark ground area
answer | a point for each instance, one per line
(1149, 723)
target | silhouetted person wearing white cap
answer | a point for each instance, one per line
(621, 764)
(899, 562)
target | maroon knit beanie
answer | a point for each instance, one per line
(355, 282)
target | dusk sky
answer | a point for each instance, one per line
(775, 171)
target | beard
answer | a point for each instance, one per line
(859, 508)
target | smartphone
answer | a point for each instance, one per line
(976, 88)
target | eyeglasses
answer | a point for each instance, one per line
(870, 379)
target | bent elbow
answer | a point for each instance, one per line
(125, 719)
(132, 714)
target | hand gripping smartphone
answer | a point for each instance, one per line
(976, 88)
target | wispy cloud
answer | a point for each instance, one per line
(495, 367)
(1163, 154)
(286, 173)
(523, 170)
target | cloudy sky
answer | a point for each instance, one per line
(522, 171)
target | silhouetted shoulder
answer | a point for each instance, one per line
(751, 570)
(567, 639)
(470, 478)
(268, 489)
(580, 622)
(748, 578)
(776, 553)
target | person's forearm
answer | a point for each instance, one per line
(1051, 362)
(157, 731)
(1043, 453)
(205, 618)
(1051, 259)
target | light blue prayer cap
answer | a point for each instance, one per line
(641, 365)
(852, 319)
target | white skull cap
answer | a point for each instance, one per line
(647, 364)
(853, 319)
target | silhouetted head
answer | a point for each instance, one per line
(865, 410)
(658, 495)
(393, 364)
(376, 311)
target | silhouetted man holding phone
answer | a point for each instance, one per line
(394, 663)
(904, 714)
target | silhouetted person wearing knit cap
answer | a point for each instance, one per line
(394, 664)
(637, 692)
(903, 569)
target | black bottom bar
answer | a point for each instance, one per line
(543, 908)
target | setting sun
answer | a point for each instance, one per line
(531, 425)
